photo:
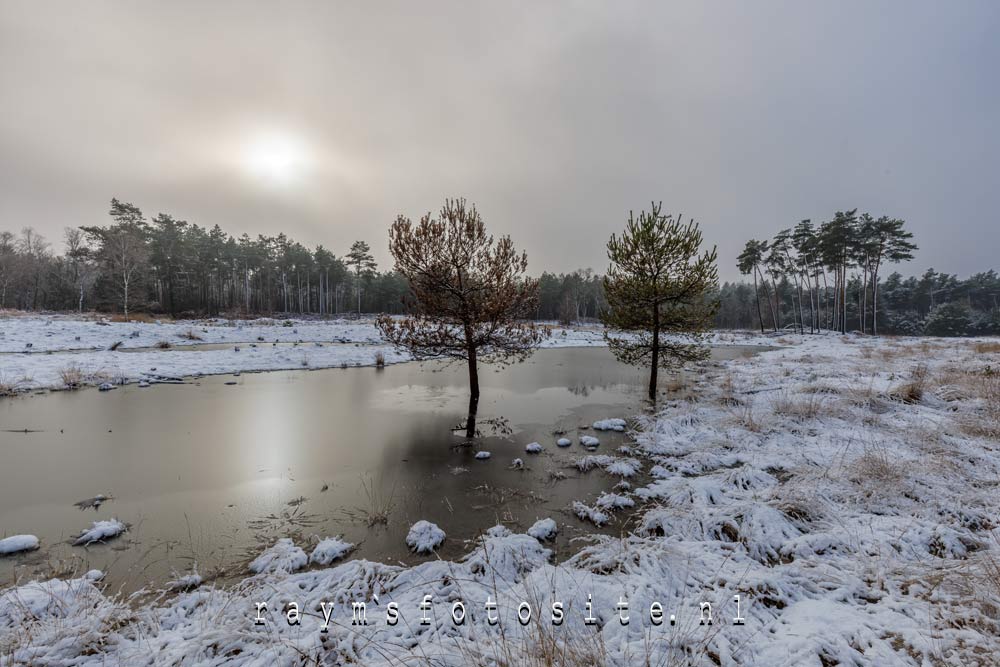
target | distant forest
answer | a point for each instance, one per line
(804, 279)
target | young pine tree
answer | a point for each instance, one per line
(658, 284)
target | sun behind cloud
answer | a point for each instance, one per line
(276, 158)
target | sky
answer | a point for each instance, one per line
(326, 120)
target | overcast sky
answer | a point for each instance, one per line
(325, 120)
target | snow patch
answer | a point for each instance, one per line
(424, 537)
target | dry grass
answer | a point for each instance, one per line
(190, 334)
(72, 376)
(144, 318)
(163, 345)
(990, 347)
(808, 406)
(911, 391)
(12, 387)
(876, 469)
(379, 505)
(380, 359)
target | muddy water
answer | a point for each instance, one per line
(209, 472)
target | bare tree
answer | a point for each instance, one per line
(470, 294)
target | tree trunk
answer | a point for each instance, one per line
(875, 302)
(470, 422)
(760, 315)
(655, 362)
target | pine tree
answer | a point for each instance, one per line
(658, 284)
(360, 257)
(470, 294)
(748, 262)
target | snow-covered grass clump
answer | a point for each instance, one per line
(589, 441)
(329, 550)
(543, 529)
(424, 537)
(564, 442)
(610, 425)
(99, 531)
(613, 501)
(533, 448)
(593, 514)
(185, 582)
(283, 556)
(483, 455)
(17, 543)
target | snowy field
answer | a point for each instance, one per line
(50, 352)
(846, 488)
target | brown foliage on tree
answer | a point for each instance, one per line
(470, 292)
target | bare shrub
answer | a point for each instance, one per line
(72, 376)
(190, 334)
(380, 359)
(163, 345)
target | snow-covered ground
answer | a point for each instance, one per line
(845, 488)
(49, 352)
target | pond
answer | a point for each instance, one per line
(210, 472)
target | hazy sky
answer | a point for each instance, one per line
(325, 120)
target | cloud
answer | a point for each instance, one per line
(554, 119)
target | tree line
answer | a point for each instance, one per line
(818, 263)
(167, 265)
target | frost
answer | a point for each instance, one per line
(588, 513)
(613, 501)
(329, 550)
(284, 556)
(424, 537)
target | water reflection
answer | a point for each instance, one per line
(206, 473)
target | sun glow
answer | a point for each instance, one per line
(276, 158)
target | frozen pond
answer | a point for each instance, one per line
(210, 474)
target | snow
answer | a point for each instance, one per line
(99, 531)
(589, 441)
(329, 550)
(533, 448)
(543, 529)
(62, 341)
(16, 543)
(185, 582)
(609, 425)
(857, 528)
(424, 537)
(482, 456)
(564, 442)
(283, 556)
